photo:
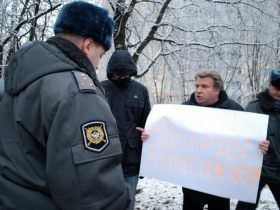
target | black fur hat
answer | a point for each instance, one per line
(87, 20)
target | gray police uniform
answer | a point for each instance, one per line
(59, 144)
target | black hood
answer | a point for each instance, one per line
(121, 64)
(33, 62)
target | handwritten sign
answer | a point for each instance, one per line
(206, 149)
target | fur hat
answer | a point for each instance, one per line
(275, 78)
(86, 20)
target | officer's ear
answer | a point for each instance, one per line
(87, 45)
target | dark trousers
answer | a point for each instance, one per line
(2, 207)
(274, 188)
(194, 200)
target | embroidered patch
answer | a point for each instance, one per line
(95, 136)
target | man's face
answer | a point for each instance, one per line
(121, 81)
(205, 93)
(94, 51)
(274, 92)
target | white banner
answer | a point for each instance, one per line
(209, 150)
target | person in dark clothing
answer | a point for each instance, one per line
(1, 88)
(268, 102)
(209, 92)
(59, 143)
(2, 207)
(129, 102)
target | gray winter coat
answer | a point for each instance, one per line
(59, 144)
(271, 161)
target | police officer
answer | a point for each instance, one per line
(59, 144)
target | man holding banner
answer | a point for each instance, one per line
(204, 149)
(209, 92)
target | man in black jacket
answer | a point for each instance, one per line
(129, 102)
(59, 143)
(268, 102)
(209, 92)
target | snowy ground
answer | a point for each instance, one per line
(157, 195)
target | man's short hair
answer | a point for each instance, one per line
(218, 82)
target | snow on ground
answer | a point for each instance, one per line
(158, 195)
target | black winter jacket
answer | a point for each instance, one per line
(271, 161)
(224, 102)
(131, 106)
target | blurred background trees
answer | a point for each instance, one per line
(170, 40)
(22, 21)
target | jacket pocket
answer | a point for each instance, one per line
(133, 155)
(99, 174)
(82, 155)
(135, 109)
(135, 112)
(271, 171)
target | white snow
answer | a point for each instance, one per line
(159, 195)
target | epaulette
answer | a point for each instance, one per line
(84, 82)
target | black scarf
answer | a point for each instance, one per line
(76, 55)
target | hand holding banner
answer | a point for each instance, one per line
(205, 149)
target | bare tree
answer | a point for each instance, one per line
(138, 25)
(171, 40)
(22, 21)
(236, 38)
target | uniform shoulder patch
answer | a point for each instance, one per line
(84, 82)
(95, 136)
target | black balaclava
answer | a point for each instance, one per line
(121, 65)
